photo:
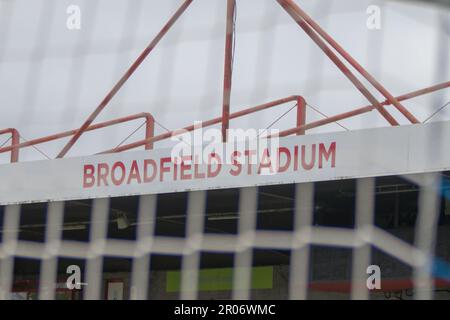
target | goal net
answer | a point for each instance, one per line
(353, 93)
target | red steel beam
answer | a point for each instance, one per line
(296, 130)
(149, 132)
(15, 139)
(228, 68)
(124, 78)
(203, 124)
(334, 58)
(304, 16)
(148, 142)
(359, 111)
(423, 91)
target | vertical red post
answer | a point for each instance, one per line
(231, 7)
(15, 141)
(149, 131)
(301, 114)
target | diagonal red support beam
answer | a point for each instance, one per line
(334, 58)
(293, 7)
(124, 78)
(228, 68)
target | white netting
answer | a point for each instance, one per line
(52, 78)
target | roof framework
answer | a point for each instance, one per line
(330, 47)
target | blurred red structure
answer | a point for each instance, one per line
(323, 40)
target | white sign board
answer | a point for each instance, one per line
(318, 157)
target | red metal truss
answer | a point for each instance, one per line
(358, 111)
(325, 42)
(299, 129)
(301, 111)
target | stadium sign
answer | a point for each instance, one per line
(148, 170)
(294, 159)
